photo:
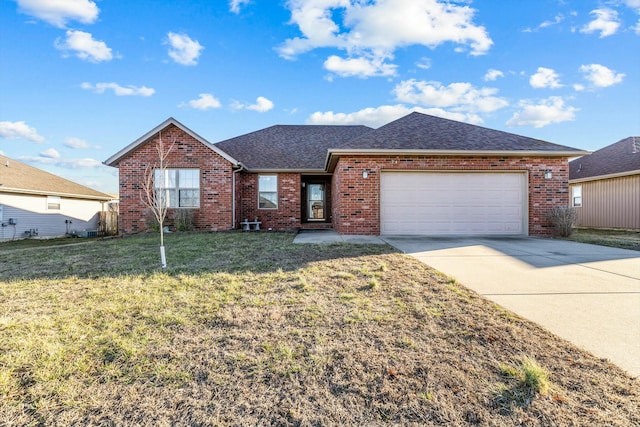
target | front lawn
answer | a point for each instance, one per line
(249, 329)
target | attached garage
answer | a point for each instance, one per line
(453, 203)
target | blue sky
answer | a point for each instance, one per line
(81, 79)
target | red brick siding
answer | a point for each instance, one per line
(215, 212)
(356, 201)
(286, 216)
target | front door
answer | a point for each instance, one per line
(315, 202)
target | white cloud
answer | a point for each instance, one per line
(119, 90)
(205, 101)
(424, 63)
(545, 112)
(556, 20)
(633, 4)
(461, 97)
(50, 153)
(59, 12)
(75, 143)
(378, 116)
(545, 78)
(66, 163)
(636, 28)
(601, 76)
(359, 67)
(235, 5)
(184, 50)
(19, 130)
(262, 105)
(85, 47)
(606, 22)
(374, 30)
(493, 75)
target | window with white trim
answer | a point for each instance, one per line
(53, 203)
(267, 191)
(179, 187)
(576, 196)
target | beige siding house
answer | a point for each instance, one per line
(35, 203)
(605, 186)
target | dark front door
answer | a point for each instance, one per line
(316, 206)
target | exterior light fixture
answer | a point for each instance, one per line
(548, 174)
(365, 174)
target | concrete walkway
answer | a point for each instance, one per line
(587, 294)
(331, 236)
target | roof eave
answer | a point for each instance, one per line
(55, 193)
(334, 153)
(284, 170)
(115, 159)
(607, 176)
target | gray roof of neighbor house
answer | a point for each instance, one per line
(284, 147)
(618, 158)
(418, 131)
(18, 177)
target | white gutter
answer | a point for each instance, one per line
(53, 193)
(233, 194)
(609, 176)
(400, 152)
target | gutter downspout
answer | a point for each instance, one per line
(233, 195)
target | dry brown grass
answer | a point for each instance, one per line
(624, 239)
(248, 329)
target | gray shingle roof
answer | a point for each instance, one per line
(418, 131)
(296, 147)
(18, 177)
(620, 157)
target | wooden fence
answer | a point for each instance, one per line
(108, 225)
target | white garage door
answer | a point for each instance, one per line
(451, 203)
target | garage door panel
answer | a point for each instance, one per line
(465, 203)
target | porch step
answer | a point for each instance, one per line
(316, 226)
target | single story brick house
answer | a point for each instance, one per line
(605, 186)
(420, 175)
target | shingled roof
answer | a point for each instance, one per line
(285, 147)
(619, 158)
(18, 177)
(418, 131)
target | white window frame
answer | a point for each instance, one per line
(173, 188)
(270, 191)
(53, 203)
(576, 196)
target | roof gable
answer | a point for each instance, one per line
(418, 131)
(116, 158)
(618, 158)
(18, 177)
(289, 147)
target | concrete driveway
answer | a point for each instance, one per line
(587, 294)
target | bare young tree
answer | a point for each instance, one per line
(154, 190)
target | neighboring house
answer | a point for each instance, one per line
(605, 186)
(419, 175)
(35, 203)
